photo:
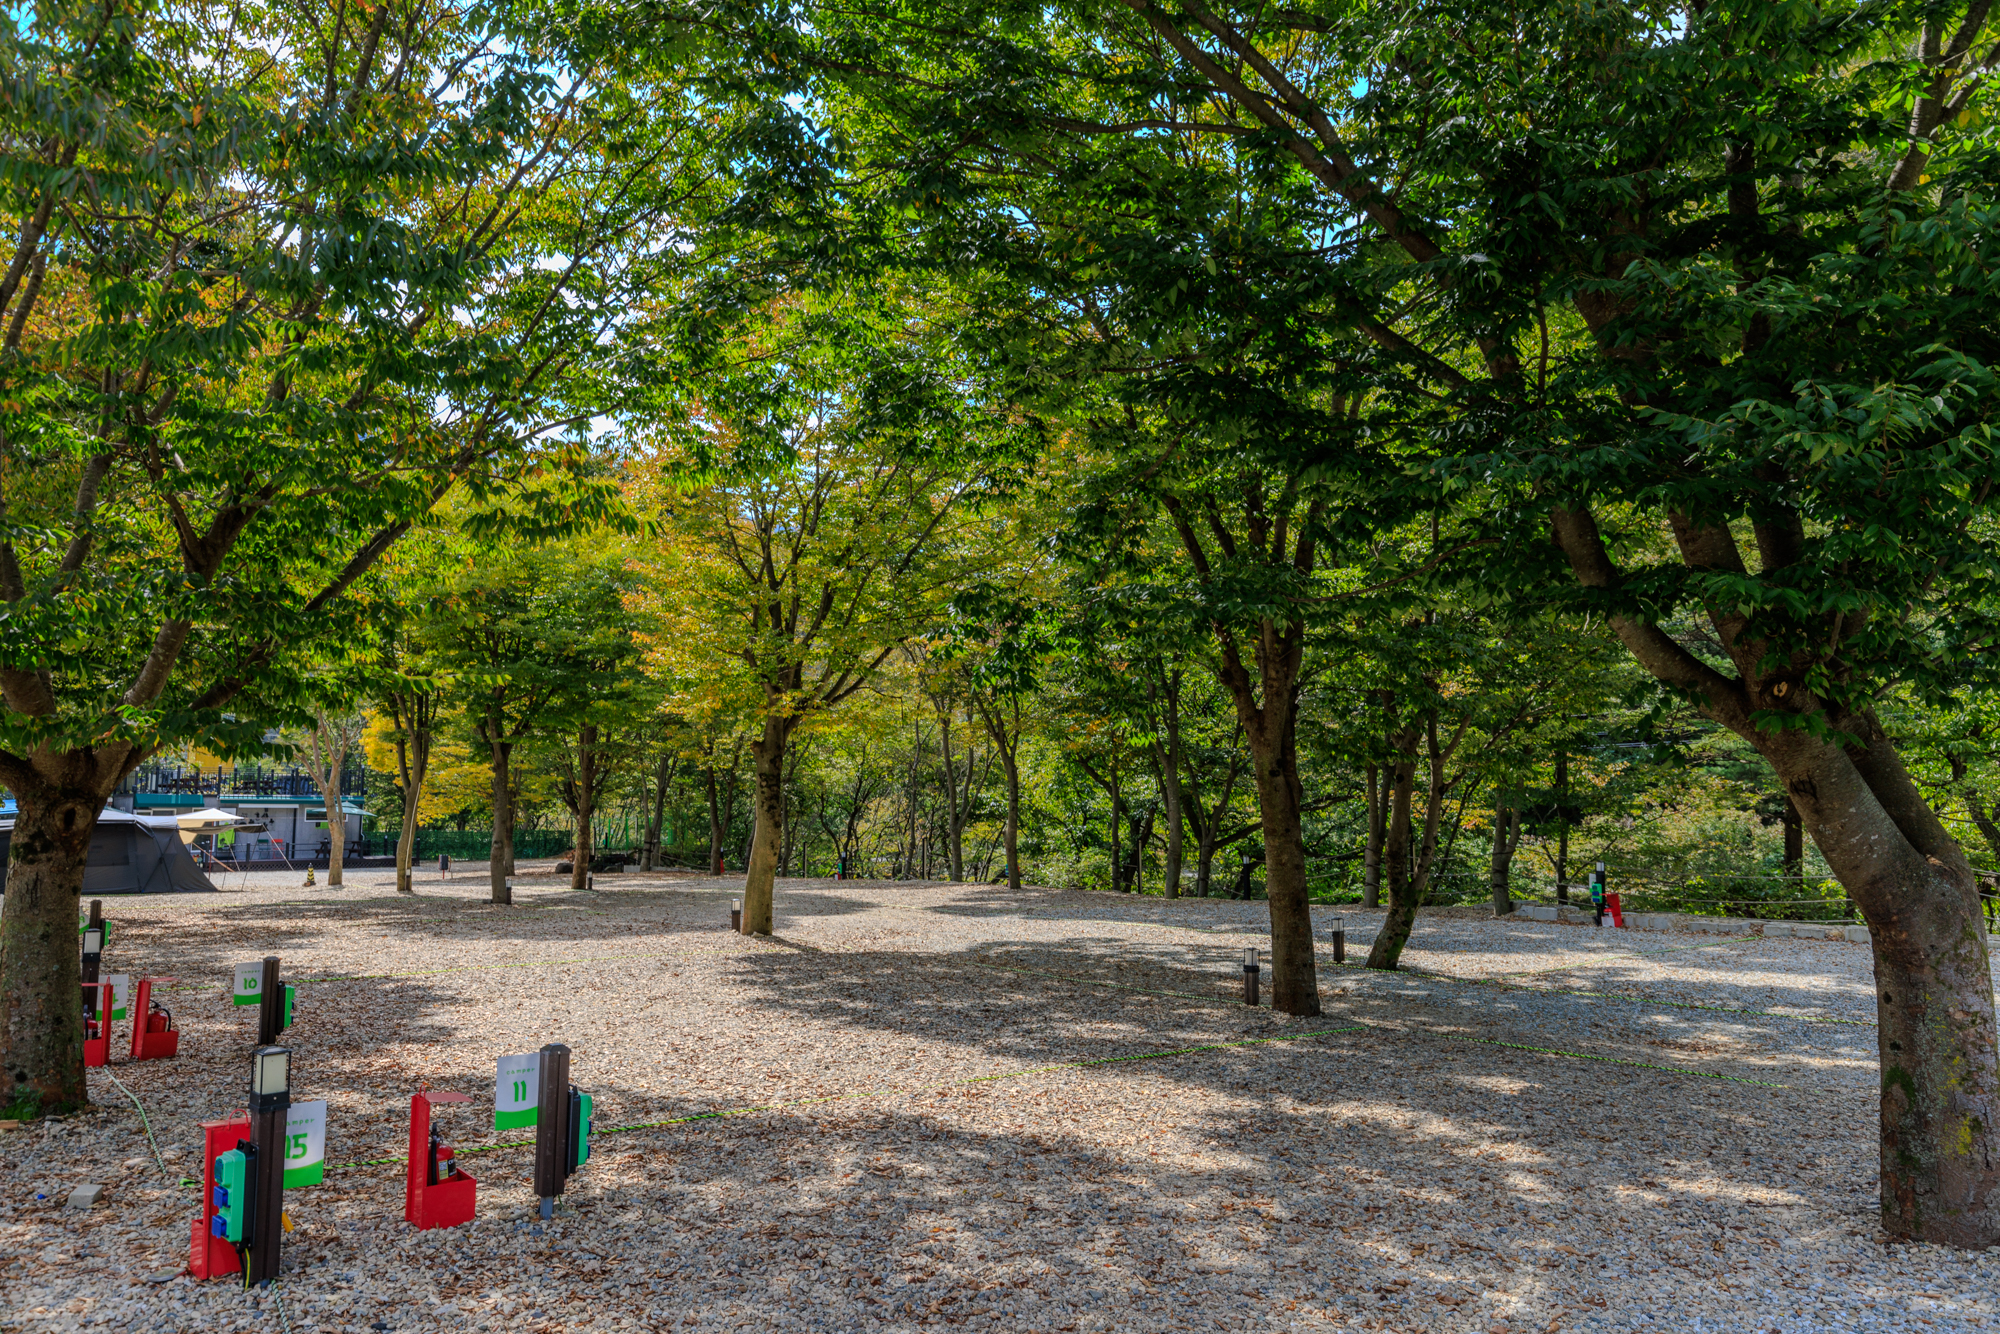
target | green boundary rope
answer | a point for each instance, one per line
(889, 1092)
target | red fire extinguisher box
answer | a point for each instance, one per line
(437, 1194)
(153, 1032)
(96, 1023)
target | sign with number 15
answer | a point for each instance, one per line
(305, 1144)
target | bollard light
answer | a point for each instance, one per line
(590, 880)
(1340, 940)
(93, 951)
(270, 1075)
(1250, 975)
(736, 914)
(264, 1167)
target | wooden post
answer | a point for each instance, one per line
(270, 1005)
(552, 1126)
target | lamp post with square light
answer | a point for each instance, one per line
(270, 1100)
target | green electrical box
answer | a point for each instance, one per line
(579, 1131)
(285, 1018)
(232, 1196)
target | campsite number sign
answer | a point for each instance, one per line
(249, 983)
(121, 985)
(305, 1144)
(516, 1090)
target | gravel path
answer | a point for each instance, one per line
(978, 1108)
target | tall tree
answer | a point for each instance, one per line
(831, 538)
(1691, 299)
(278, 280)
(327, 742)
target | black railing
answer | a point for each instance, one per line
(238, 781)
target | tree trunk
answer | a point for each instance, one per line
(1402, 914)
(1371, 855)
(1274, 750)
(1117, 829)
(1795, 846)
(1170, 783)
(411, 715)
(954, 824)
(1506, 833)
(502, 856)
(1935, 1034)
(1006, 740)
(1010, 769)
(41, 1005)
(1562, 827)
(662, 775)
(759, 881)
(586, 802)
(714, 824)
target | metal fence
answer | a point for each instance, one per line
(476, 845)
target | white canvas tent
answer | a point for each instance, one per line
(129, 854)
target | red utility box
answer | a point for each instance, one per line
(1611, 905)
(153, 1031)
(438, 1194)
(96, 1023)
(209, 1256)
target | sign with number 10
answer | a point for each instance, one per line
(516, 1090)
(249, 983)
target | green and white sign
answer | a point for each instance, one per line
(305, 1144)
(249, 983)
(83, 925)
(121, 986)
(517, 1090)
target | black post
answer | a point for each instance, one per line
(1250, 974)
(1597, 893)
(736, 916)
(93, 949)
(270, 1005)
(552, 1131)
(266, 1231)
(1339, 945)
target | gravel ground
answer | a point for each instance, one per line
(976, 1108)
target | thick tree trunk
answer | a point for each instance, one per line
(1294, 973)
(760, 878)
(586, 803)
(336, 837)
(501, 861)
(1371, 853)
(1935, 1034)
(1506, 833)
(1403, 889)
(1940, 1129)
(406, 844)
(41, 1007)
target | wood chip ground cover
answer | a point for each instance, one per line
(949, 1138)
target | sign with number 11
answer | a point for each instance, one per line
(516, 1090)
